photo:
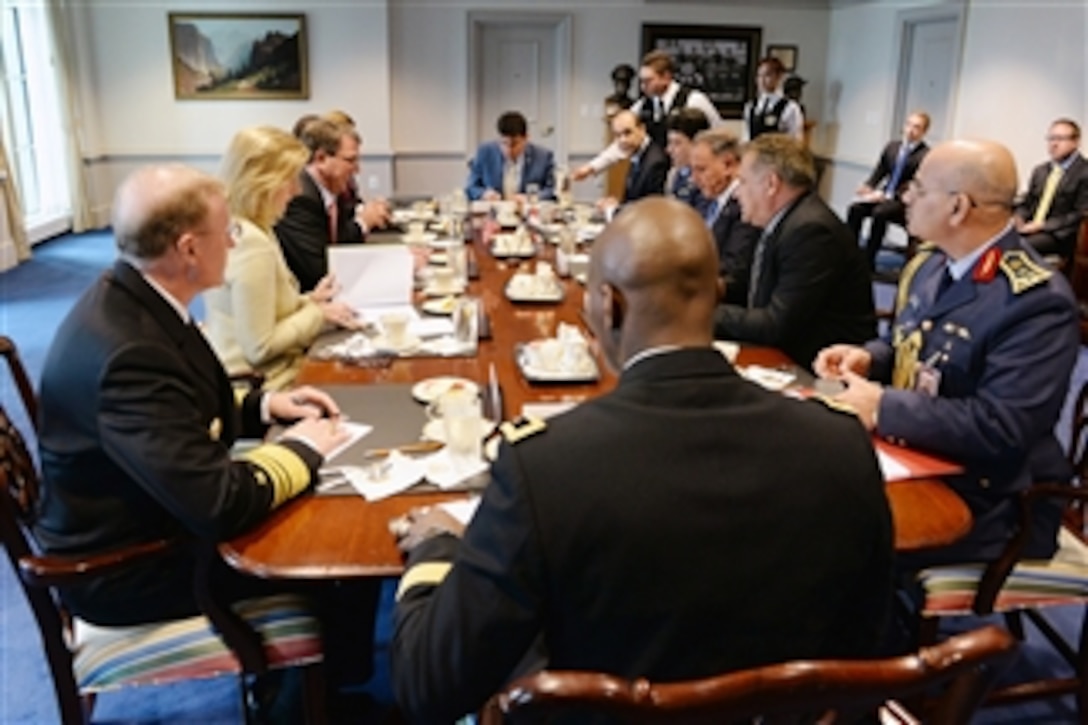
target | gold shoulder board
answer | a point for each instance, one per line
(522, 428)
(906, 275)
(1023, 271)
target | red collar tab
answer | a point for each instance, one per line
(986, 266)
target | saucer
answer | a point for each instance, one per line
(410, 342)
(439, 305)
(434, 430)
(424, 238)
(431, 290)
(427, 391)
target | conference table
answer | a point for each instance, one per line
(338, 536)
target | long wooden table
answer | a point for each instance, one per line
(346, 536)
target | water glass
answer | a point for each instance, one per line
(466, 321)
(462, 421)
(457, 261)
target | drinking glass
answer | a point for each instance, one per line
(462, 423)
(466, 321)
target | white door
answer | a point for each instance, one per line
(927, 74)
(518, 69)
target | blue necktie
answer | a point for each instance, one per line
(711, 212)
(900, 163)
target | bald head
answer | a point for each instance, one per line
(155, 205)
(962, 195)
(655, 269)
(985, 170)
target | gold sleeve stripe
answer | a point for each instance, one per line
(428, 573)
(240, 396)
(286, 471)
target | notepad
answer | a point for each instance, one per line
(892, 469)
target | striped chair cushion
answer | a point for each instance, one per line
(950, 590)
(111, 657)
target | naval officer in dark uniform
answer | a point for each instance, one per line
(633, 530)
(980, 354)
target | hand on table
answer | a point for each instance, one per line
(863, 396)
(302, 402)
(422, 523)
(373, 214)
(832, 362)
(491, 195)
(340, 314)
(324, 435)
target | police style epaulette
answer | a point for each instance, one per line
(836, 405)
(1023, 271)
(518, 430)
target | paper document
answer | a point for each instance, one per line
(892, 469)
(371, 276)
(355, 432)
(463, 511)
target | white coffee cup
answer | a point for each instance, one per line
(416, 229)
(395, 328)
(462, 422)
(444, 279)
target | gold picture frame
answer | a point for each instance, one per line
(230, 56)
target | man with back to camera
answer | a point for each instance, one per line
(661, 96)
(808, 286)
(137, 415)
(319, 215)
(1055, 205)
(881, 196)
(772, 111)
(505, 169)
(623, 534)
(977, 363)
(715, 157)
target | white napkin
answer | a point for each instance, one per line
(355, 432)
(441, 471)
(403, 473)
(768, 377)
(463, 511)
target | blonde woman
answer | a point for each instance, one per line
(258, 321)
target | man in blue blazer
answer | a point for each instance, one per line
(504, 169)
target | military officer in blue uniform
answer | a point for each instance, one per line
(979, 357)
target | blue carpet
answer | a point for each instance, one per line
(34, 297)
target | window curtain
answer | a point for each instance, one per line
(60, 17)
(12, 213)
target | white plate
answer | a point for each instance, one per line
(540, 375)
(410, 342)
(430, 290)
(424, 238)
(427, 391)
(434, 430)
(438, 259)
(439, 305)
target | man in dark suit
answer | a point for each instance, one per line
(621, 534)
(322, 213)
(1051, 212)
(714, 158)
(978, 360)
(137, 415)
(649, 162)
(809, 286)
(881, 196)
(505, 169)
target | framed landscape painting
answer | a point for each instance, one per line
(717, 59)
(238, 55)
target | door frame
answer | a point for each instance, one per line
(908, 22)
(560, 25)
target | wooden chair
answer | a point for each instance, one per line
(1021, 589)
(803, 691)
(22, 380)
(248, 637)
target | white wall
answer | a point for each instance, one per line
(429, 50)
(1022, 64)
(132, 117)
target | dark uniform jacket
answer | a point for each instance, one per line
(304, 232)
(646, 176)
(137, 417)
(1004, 340)
(813, 288)
(685, 524)
(1068, 207)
